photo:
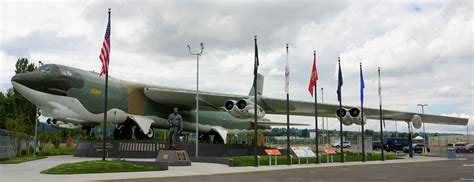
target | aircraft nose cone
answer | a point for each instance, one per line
(17, 78)
(26, 79)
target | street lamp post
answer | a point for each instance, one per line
(197, 95)
(36, 123)
(422, 120)
(322, 118)
(36, 133)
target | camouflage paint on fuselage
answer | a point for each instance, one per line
(129, 97)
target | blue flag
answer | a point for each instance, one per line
(339, 82)
(362, 86)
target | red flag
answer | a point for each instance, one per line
(105, 51)
(314, 77)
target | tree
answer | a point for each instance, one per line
(22, 66)
(305, 133)
(3, 117)
(55, 138)
(18, 128)
(43, 139)
(18, 125)
(369, 132)
(12, 104)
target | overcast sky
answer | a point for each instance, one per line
(424, 48)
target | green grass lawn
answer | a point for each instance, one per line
(17, 160)
(48, 151)
(350, 157)
(99, 166)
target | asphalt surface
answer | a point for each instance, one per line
(448, 170)
(419, 168)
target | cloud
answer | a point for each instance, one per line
(425, 49)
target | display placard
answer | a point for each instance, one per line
(303, 152)
(272, 152)
(330, 151)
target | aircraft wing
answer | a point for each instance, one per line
(271, 123)
(302, 108)
(215, 101)
(187, 98)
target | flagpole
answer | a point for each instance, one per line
(382, 158)
(316, 114)
(341, 138)
(288, 159)
(362, 112)
(255, 72)
(104, 128)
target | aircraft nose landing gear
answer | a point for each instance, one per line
(139, 135)
(123, 132)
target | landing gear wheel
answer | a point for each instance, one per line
(88, 131)
(138, 133)
(123, 132)
(127, 134)
(150, 134)
(117, 134)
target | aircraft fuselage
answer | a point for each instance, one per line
(76, 96)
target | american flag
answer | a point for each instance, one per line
(105, 51)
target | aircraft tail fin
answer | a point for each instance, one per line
(260, 79)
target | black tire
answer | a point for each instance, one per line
(117, 133)
(138, 133)
(150, 134)
(127, 133)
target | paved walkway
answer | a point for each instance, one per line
(30, 171)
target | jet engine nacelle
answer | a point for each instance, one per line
(416, 121)
(59, 124)
(53, 122)
(350, 116)
(243, 109)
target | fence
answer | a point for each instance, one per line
(12, 144)
(9, 149)
(6, 147)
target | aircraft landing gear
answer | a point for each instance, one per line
(123, 132)
(139, 135)
(211, 137)
(88, 131)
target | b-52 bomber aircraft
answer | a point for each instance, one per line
(72, 98)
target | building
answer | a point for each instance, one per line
(444, 140)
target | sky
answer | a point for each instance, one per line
(424, 48)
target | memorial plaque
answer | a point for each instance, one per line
(181, 156)
(177, 157)
(165, 156)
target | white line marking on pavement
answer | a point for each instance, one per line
(468, 165)
(466, 179)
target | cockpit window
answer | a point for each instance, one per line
(45, 69)
(65, 72)
(48, 69)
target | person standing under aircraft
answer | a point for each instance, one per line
(175, 122)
